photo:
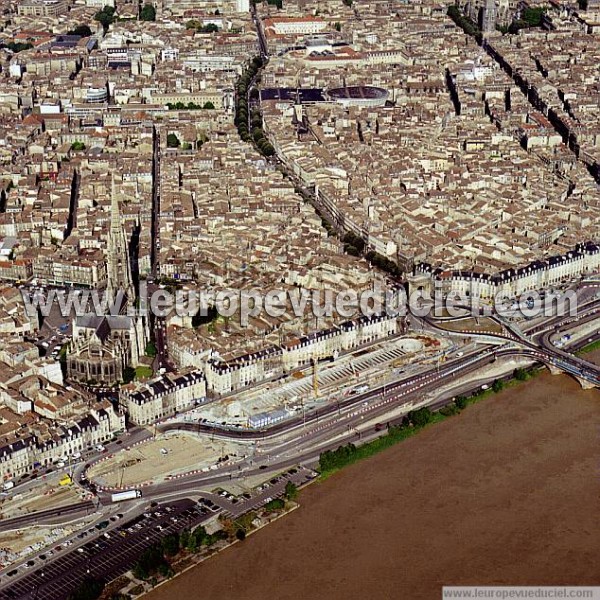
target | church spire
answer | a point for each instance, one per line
(118, 266)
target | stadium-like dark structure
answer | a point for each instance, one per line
(362, 95)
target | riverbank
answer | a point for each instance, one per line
(502, 493)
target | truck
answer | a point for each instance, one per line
(128, 495)
(8, 485)
(66, 480)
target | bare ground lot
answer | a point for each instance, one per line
(505, 493)
(146, 461)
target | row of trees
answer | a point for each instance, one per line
(193, 541)
(153, 560)
(157, 558)
(384, 263)
(336, 459)
(241, 113)
(353, 244)
(200, 27)
(17, 47)
(276, 3)
(464, 22)
(530, 17)
(190, 106)
(332, 460)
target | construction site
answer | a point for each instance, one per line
(163, 455)
(322, 382)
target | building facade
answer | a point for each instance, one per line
(163, 397)
(103, 345)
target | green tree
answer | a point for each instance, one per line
(291, 491)
(184, 538)
(197, 538)
(170, 545)
(82, 30)
(17, 47)
(77, 146)
(149, 562)
(150, 349)
(89, 589)
(533, 16)
(275, 504)
(338, 26)
(192, 544)
(106, 17)
(420, 417)
(209, 105)
(268, 150)
(515, 26)
(148, 13)
(498, 385)
(520, 374)
(173, 141)
(354, 240)
(240, 534)
(461, 402)
(128, 374)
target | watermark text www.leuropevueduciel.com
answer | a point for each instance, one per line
(242, 305)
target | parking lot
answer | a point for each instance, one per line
(112, 551)
(112, 547)
(236, 506)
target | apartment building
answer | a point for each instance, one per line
(163, 397)
(42, 8)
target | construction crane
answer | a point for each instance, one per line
(315, 375)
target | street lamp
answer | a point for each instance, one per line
(39, 585)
